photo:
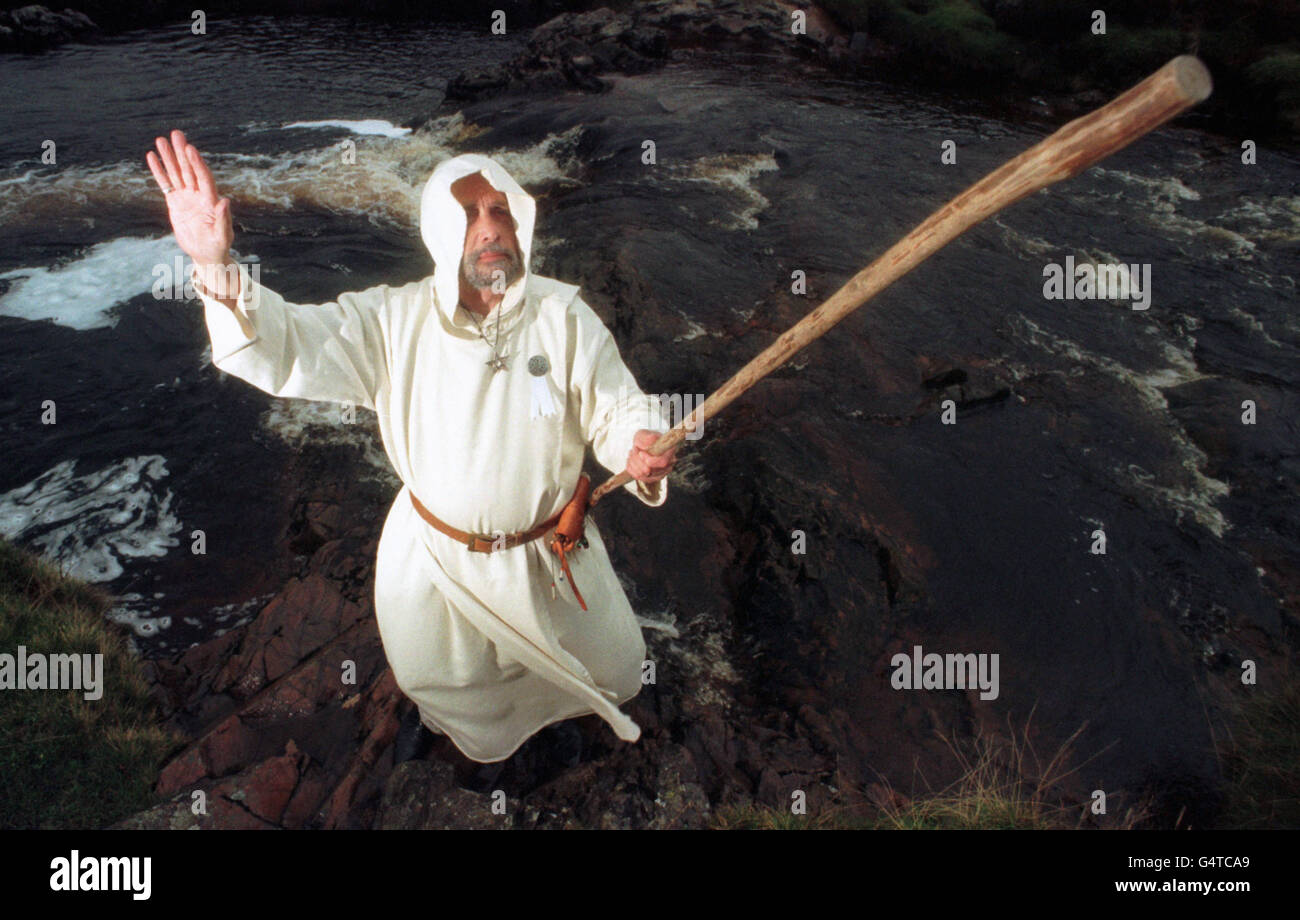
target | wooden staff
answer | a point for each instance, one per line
(1172, 89)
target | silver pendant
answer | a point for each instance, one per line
(497, 362)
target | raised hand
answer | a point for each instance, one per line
(200, 220)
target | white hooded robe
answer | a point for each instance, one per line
(475, 639)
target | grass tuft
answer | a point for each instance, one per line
(1003, 785)
(1261, 762)
(69, 762)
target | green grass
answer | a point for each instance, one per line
(1048, 46)
(1126, 54)
(1262, 762)
(955, 37)
(68, 762)
(1277, 73)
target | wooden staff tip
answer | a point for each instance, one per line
(1192, 77)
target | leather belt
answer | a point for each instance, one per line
(568, 534)
(484, 543)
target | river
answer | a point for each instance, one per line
(1072, 416)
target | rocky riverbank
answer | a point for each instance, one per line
(772, 667)
(280, 740)
(1052, 59)
(279, 737)
(36, 28)
(574, 49)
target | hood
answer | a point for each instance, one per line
(442, 226)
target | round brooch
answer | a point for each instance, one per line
(538, 365)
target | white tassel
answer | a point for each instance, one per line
(542, 404)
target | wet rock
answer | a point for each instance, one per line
(252, 799)
(265, 789)
(35, 28)
(572, 50)
(679, 800)
(299, 621)
(422, 795)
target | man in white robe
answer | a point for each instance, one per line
(492, 647)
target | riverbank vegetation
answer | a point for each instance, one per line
(1262, 761)
(1002, 784)
(1252, 47)
(70, 762)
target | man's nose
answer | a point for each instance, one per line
(486, 231)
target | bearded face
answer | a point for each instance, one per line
(492, 265)
(492, 259)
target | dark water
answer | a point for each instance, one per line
(149, 444)
(1073, 415)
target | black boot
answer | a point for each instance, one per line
(414, 741)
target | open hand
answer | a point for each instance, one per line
(200, 219)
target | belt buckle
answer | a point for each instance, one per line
(475, 537)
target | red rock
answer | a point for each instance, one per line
(228, 747)
(306, 799)
(229, 816)
(269, 786)
(182, 772)
(303, 618)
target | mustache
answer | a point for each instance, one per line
(476, 254)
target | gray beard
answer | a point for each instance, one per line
(485, 277)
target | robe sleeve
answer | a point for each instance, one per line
(612, 407)
(332, 352)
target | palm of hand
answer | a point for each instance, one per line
(200, 219)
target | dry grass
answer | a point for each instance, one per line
(1261, 761)
(1003, 785)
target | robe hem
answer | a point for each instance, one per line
(522, 741)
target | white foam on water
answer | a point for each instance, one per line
(380, 176)
(688, 474)
(704, 657)
(1275, 219)
(138, 615)
(90, 525)
(304, 423)
(82, 292)
(666, 628)
(236, 614)
(1195, 499)
(1164, 188)
(1026, 245)
(661, 621)
(1252, 322)
(1223, 245)
(1158, 200)
(39, 198)
(1278, 219)
(736, 173)
(384, 183)
(368, 126)
(552, 159)
(694, 330)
